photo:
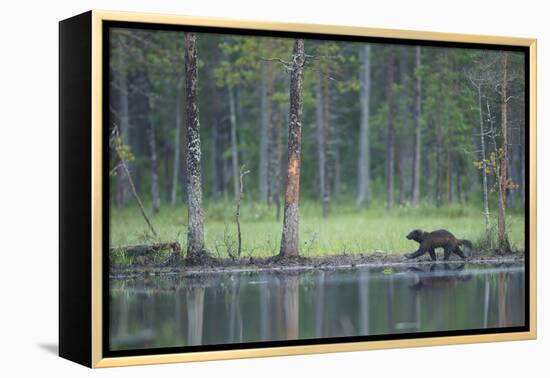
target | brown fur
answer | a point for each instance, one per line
(429, 241)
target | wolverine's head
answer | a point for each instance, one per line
(416, 235)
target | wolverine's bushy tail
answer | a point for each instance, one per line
(466, 243)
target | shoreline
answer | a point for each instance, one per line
(301, 264)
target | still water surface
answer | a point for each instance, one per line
(241, 307)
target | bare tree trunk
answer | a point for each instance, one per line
(216, 180)
(363, 165)
(449, 176)
(418, 130)
(322, 145)
(166, 156)
(390, 134)
(512, 173)
(429, 169)
(404, 135)
(272, 164)
(337, 168)
(503, 243)
(289, 240)
(486, 214)
(123, 187)
(522, 161)
(195, 223)
(177, 144)
(278, 158)
(242, 173)
(438, 166)
(234, 142)
(402, 158)
(458, 179)
(266, 89)
(155, 186)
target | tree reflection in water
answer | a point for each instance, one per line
(250, 307)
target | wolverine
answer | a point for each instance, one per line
(429, 241)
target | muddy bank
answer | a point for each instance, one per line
(212, 265)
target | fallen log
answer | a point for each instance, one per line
(147, 249)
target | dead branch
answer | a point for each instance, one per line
(131, 181)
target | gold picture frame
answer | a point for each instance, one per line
(90, 329)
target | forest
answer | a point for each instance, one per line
(251, 146)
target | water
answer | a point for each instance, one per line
(241, 307)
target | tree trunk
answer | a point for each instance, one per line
(155, 185)
(512, 173)
(390, 134)
(448, 177)
(272, 164)
(437, 163)
(429, 169)
(503, 182)
(403, 165)
(363, 165)
(320, 114)
(166, 157)
(404, 135)
(278, 158)
(289, 240)
(333, 144)
(242, 173)
(216, 179)
(337, 168)
(123, 186)
(177, 144)
(234, 142)
(266, 89)
(486, 214)
(458, 179)
(418, 130)
(242, 148)
(524, 139)
(195, 223)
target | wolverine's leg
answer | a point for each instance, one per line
(418, 253)
(448, 251)
(458, 251)
(432, 254)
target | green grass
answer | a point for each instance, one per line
(346, 230)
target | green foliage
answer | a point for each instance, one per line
(122, 150)
(492, 166)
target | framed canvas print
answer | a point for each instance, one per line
(234, 189)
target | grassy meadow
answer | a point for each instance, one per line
(345, 230)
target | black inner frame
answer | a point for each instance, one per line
(106, 25)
